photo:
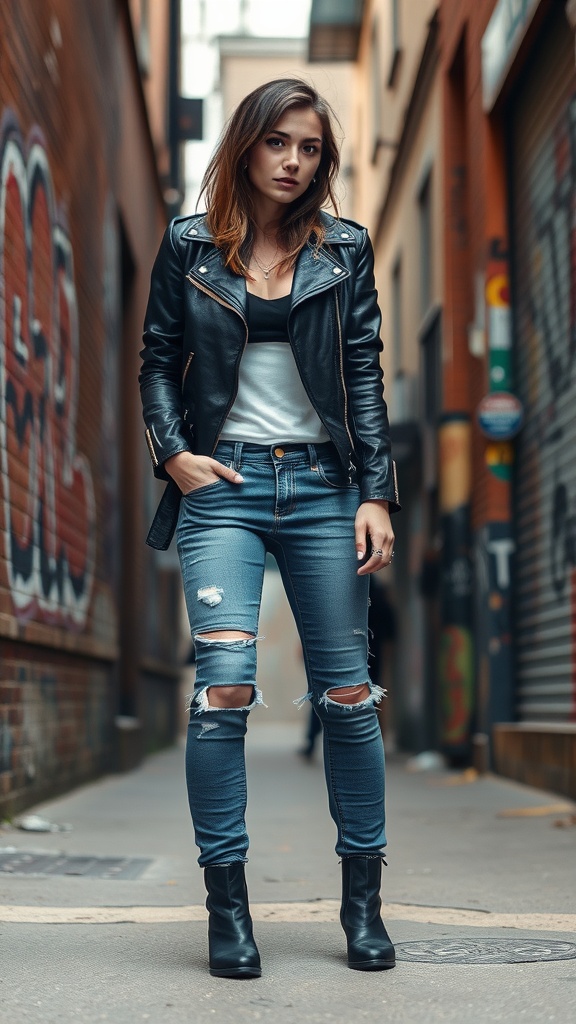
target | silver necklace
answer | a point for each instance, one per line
(266, 270)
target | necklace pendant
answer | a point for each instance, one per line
(266, 275)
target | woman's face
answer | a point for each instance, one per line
(282, 165)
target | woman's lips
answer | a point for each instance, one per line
(287, 183)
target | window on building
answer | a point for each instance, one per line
(425, 219)
(396, 48)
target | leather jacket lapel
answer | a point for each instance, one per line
(211, 274)
(315, 272)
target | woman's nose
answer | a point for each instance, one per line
(291, 159)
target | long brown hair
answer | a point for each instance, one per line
(227, 189)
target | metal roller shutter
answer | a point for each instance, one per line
(543, 179)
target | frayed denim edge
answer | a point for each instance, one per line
(375, 696)
(201, 699)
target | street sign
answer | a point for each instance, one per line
(500, 415)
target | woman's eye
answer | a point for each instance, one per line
(311, 150)
(275, 143)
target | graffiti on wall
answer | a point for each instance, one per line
(46, 484)
(554, 270)
(562, 537)
(554, 322)
(553, 260)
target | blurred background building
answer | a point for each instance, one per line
(464, 172)
(459, 154)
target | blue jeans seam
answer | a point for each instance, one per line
(341, 825)
(278, 517)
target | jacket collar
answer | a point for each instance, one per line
(315, 271)
(337, 231)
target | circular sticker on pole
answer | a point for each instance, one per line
(500, 415)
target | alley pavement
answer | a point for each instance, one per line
(479, 869)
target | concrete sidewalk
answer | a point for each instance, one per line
(469, 860)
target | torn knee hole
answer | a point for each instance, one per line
(230, 696)
(354, 698)
(234, 697)
(349, 694)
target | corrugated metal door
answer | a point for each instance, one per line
(543, 176)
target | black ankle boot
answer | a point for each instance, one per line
(232, 950)
(369, 945)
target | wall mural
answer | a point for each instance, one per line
(46, 487)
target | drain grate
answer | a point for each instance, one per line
(19, 862)
(485, 951)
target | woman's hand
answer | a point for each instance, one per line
(374, 534)
(193, 471)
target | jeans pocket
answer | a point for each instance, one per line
(332, 474)
(206, 487)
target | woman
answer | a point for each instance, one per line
(262, 396)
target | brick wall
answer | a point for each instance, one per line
(54, 722)
(79, 202)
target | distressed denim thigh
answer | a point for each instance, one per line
(222, 573)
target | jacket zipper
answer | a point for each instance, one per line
(342, 371)
(184, 375)
(150, 444)
(396, 492)
(226, 305)
(186, 368)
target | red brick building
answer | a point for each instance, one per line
(88, 617)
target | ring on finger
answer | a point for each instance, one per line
(378, 551)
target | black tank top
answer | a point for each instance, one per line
(268, 318)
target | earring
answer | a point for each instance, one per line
(314, 181)
(245, 168)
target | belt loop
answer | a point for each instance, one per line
(313, 457)
(237, 457)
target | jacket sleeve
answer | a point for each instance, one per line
(160, 377)
(364, 381)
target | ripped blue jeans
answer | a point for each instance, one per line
(295, 502)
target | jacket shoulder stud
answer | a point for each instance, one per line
(203, 270)
(337, 270)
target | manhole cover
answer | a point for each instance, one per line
(26, 862)
(485, 951)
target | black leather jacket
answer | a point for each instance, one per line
(195, 332)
